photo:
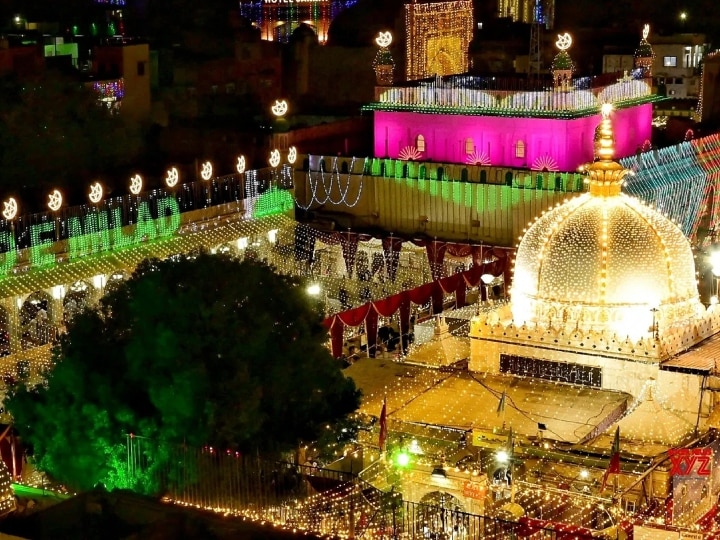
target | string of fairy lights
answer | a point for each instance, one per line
(674, 179)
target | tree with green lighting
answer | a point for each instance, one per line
(191, 351)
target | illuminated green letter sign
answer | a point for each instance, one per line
(99, 231)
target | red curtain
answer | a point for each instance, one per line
(460, 291)
(437, 298)
(420, 295)
(436, 257)
(337, 337)
(450, 284)
(354, 317)
(388, 306)
(459, 250)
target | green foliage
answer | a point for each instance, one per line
(55, 133)
(204, 351)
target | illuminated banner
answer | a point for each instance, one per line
(121, 222)
(96, 231)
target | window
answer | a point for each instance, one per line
(469, 146)
(420, 143)
(669, 61)
(519, 149)
(141, 69)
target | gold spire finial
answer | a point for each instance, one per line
(606, 175)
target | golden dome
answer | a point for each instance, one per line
(604, 261)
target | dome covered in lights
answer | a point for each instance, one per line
(605, 261)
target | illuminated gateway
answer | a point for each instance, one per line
(604, 294)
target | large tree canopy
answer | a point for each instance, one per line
(204, 351)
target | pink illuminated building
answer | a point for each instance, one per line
(458, 119)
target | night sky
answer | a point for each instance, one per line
(663, 15)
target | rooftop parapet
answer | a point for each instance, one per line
(482, 96)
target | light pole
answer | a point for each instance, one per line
(505, 457)
(655, 330)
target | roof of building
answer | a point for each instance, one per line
(470, 401)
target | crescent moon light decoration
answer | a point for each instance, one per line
(55, 200)
(96, 193)
(136, 184)
(10, 209)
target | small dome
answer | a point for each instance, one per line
(302, 32)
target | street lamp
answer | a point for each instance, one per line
(314, 289)
(487, 280)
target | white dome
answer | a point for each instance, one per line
(604, 263)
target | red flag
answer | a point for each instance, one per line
(614, 466)
(383, 425)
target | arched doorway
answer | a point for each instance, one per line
(76, 300)
(441, 515)
(35, 326)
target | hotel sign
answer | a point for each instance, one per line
(552, 371)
